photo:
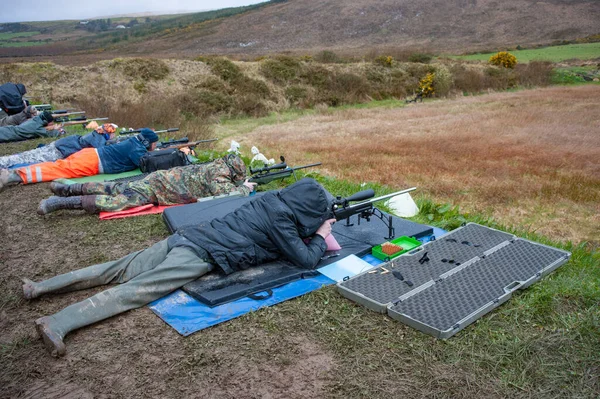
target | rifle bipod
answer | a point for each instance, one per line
(366, 214)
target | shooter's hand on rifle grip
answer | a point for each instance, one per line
(325, 228)
(251, 186)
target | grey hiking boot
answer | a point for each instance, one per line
(52, 339)
(54, 203)
(66, 190)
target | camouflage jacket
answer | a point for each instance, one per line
(187, 184)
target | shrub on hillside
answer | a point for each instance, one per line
(327, 57)
(251, 105)
(384, 60)
(296, 94)
(500, 78)
(204, 103)
(224, 68)
(442, 81)
(503, 59)
(426, 85)
(467, 80)
(420, 58)
(536, 73)
(315, 75)
(141, 68)
(281, 69)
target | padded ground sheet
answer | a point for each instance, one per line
(448, 283)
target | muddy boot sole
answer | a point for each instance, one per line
(52, 341)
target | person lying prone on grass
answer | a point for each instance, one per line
(62, 148)
(181, 185)
(268, 228)
(117, 158)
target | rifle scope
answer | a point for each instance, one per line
(359, 196)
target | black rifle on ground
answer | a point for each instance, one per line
(125, 134)
(83, 122)
(42, 107)
(66, 113)
(276, 172)
(342, 209)
(189, 144)
(63, 119)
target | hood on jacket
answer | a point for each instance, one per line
(310, 203)
(237, 167)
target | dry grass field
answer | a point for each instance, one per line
(527, 158)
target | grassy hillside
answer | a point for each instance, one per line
(354, 26)
(583, 51)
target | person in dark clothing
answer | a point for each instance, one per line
(61, 148)
(39, 126)
(115, 158)
(16, 119)
(268, 228)
(11, 98)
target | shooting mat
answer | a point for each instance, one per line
(446, 284)
(354, 240)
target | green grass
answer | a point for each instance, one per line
(574, 75)
(21, 44)
(8, 36)
(585, 51)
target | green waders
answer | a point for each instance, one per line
(145, 275)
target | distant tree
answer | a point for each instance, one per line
(133, 22)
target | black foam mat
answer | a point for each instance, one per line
(354, 240)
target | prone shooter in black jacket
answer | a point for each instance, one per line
(270, 227)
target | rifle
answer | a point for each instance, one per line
(85, 121)
(125, 134)
(188, 144)
(61, 113)
(64, 112)
(342, 209)
(43, 107)
(265, 175)
(131, 132)
(64, 119)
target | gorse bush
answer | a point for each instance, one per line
(281, 69)
(141, 68)
(503, 59)
(426, 85)
(421, 58)
(442, 81)
(384, 60)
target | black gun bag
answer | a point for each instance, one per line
(163, 159)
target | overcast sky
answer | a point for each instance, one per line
(48, 10)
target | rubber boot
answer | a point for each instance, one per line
(55, 203)
(66, 190)
(52, 336)
(8, 178)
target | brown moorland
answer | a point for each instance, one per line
(354, 26)
(528, 158)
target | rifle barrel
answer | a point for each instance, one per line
(85, 121)
(384, 197)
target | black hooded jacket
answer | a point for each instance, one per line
(11, 98)
(268, 228)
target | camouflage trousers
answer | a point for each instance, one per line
(47, 153)
(112, 197)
